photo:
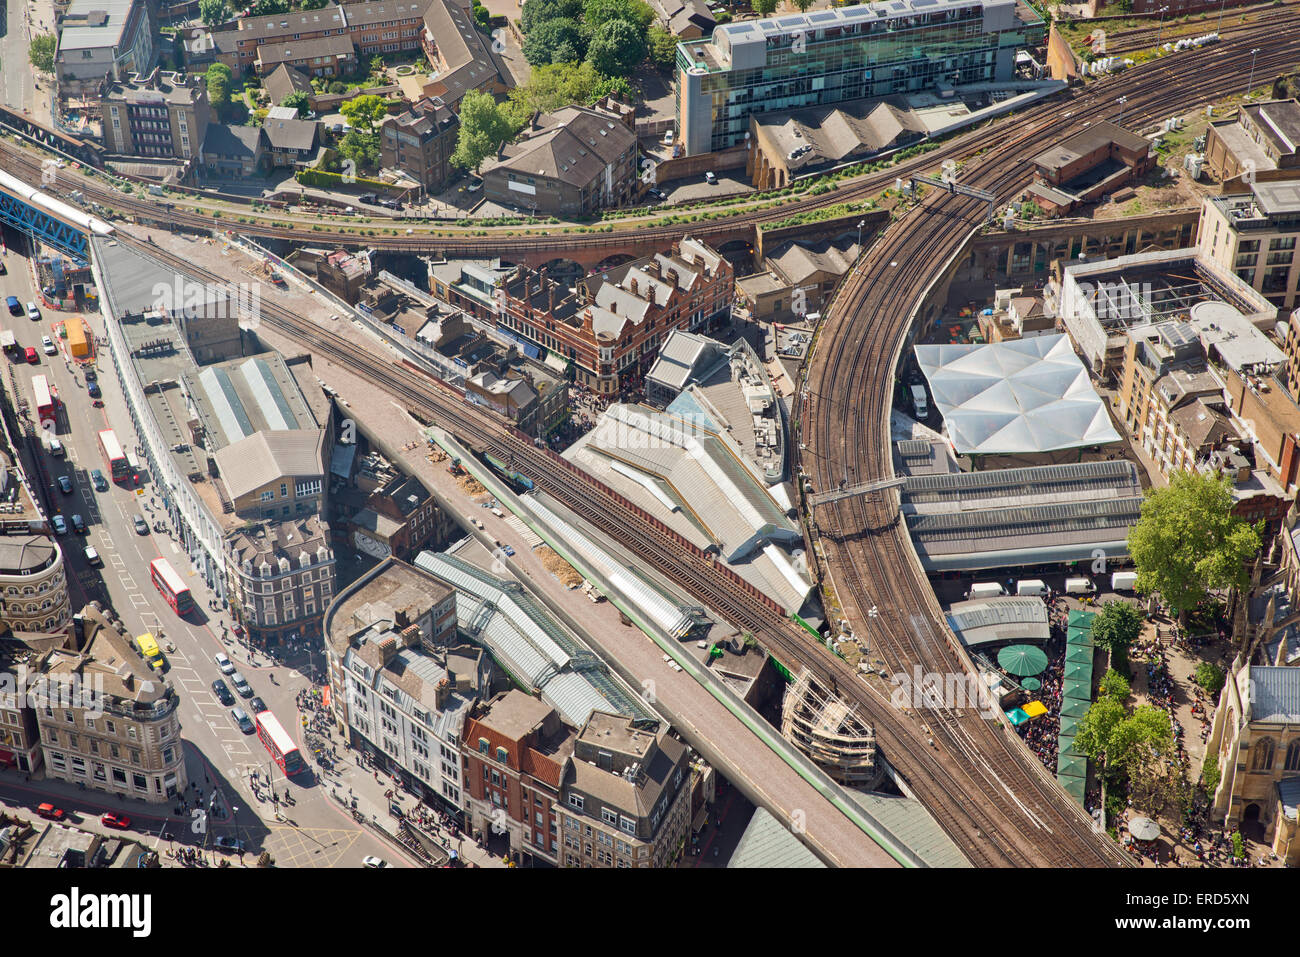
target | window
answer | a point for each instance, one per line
(576, 801)
(1293, 756)
(627, 824)
(1263, 751)
(503, 755)
(482, 745)
(284, 489)
(268, 496)
(608, 816)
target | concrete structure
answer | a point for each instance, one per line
(1254, 235)
(33, 579)
(159, 115)
(832, 56)
(419, 141)
(626, 797)
(120, 732)
(101, 39)
(401, 683)
(1255, 741)
(568, 163)
(608, 330)
(20, 654)
(1263, 140)
(382, 510)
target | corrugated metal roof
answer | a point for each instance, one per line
(999, 619)
(769, 843)
(912, 825)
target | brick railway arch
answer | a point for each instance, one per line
(613, 261)
(564, 271)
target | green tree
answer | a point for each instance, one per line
(313, 4)
(537, 12)
(361, 147)
(213, 12)
(560, 84)
(41, 52)
(484, 126)
(1144, 734)
(560, 40)
(482, 17)
(299, 101)
(803, 5)
(264, 8)
(617, 49)
(218, 84)
(1210, 677)
(377, 66)
(1115, 627)
(1096, 727)
(764, 8)
(1187, 541)
(597, 13)
(364, 112)
(663, 47)
(1113, 685)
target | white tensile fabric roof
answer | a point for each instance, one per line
(1025, 395)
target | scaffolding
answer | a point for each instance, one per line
(831, 732)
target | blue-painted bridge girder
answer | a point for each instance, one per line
(40, 225)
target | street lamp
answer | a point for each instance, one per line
(1161, 31)
(1222, 4)
(1250, 83)
(1121, 101)
(861, 223)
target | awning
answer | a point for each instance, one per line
(1143, 829)
(1078, 654)
(1068, 726)
(1080, 619)
(1022, 659)
(1068, 766)
(1079, 635)
(1074, 708)
(1035, 708)
(1080, 671)
(558, 363)
(1017, 716)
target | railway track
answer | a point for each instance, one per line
(1144, 38)
(995, 801)
(850, 381)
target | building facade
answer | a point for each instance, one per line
(419, 142)
(99, 40)
(162, 115)
(610, 329)
(1254, 235)
(801, 60)
(122, 737)
(1263, 139)
(33, 583)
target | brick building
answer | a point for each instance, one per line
(419, 142)
(1263, 139)
(161, 115)
(610, 328)
(1088, 165)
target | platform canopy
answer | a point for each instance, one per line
(1024, 395)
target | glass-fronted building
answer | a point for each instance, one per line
(812, 59)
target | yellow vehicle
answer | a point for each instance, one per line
(152, 653)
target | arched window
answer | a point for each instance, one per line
(1263, 750)
(1293, 755)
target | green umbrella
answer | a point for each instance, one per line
(1072, 766)
(1069, 724)
(1074, 708)
(1080, 637)
(1022, 660)
(1078, 619)
(1080, 671)
(1031, 684)
(1079, 654)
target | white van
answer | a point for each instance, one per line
(1079, 586)
(498, 513)
(985, 590)
(919, 401)
(1123, 581)
(1031, 587)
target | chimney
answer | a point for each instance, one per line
(440, 694)
(411, 636)
(550, 298)
(634, 287)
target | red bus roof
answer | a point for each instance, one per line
(279, 737)
(163, 569)
(108, 442)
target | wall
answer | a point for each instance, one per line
(685, 167)
(1275, 421)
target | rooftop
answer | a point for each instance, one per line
(336, 46)
(92, 24)
(157, 88)
(467, 63)
(1072, 148)
(391, 589)
(574, 145)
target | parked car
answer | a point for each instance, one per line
(368, 198)
(711, 178)
(372, 861)
(93, 389)
(15, 307)
(31, 355)
(78, 525)
(119, 822)
(32, 312)
(228, 843)
(509, 550)
(47, 346)
(474, 186)
(141, 526)
(256, 705)
(241, 685)
(242, 719)
(225, 664)
(92, 556)
(65, 485)
(56, 447)
(223, 693)
(97, 479)
(60, 526)
(668, 138)
(50, 812)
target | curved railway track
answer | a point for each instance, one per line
(995, 801)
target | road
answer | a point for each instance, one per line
(324, 834)
(20, 88)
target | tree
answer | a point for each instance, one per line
(560, 40)
(377, 66)
(218, 84)
(361, 147)
(617, 49)
(263, 8)
(213, 12)
(1187, 541)
(482, 17)
(41, 52)
(764, 8)
(364, 111)
(1113, 685)
(484, 126)
(1144, 735)
(1096, 727)
(314, 4)
(1210, 677)
(299, 101)
(803, 5)
(537, 12)
(1115, 628)
(663, 47)
(597, 13)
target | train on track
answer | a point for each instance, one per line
(55, 207)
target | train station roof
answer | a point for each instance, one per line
(1026, 395)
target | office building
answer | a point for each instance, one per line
(831, 56)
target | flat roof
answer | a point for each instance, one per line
(1278, 197)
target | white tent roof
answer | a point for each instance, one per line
(1026, 395)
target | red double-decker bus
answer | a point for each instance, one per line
(170, 586)
(279, 744)
(114, 458)
(44, 401)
